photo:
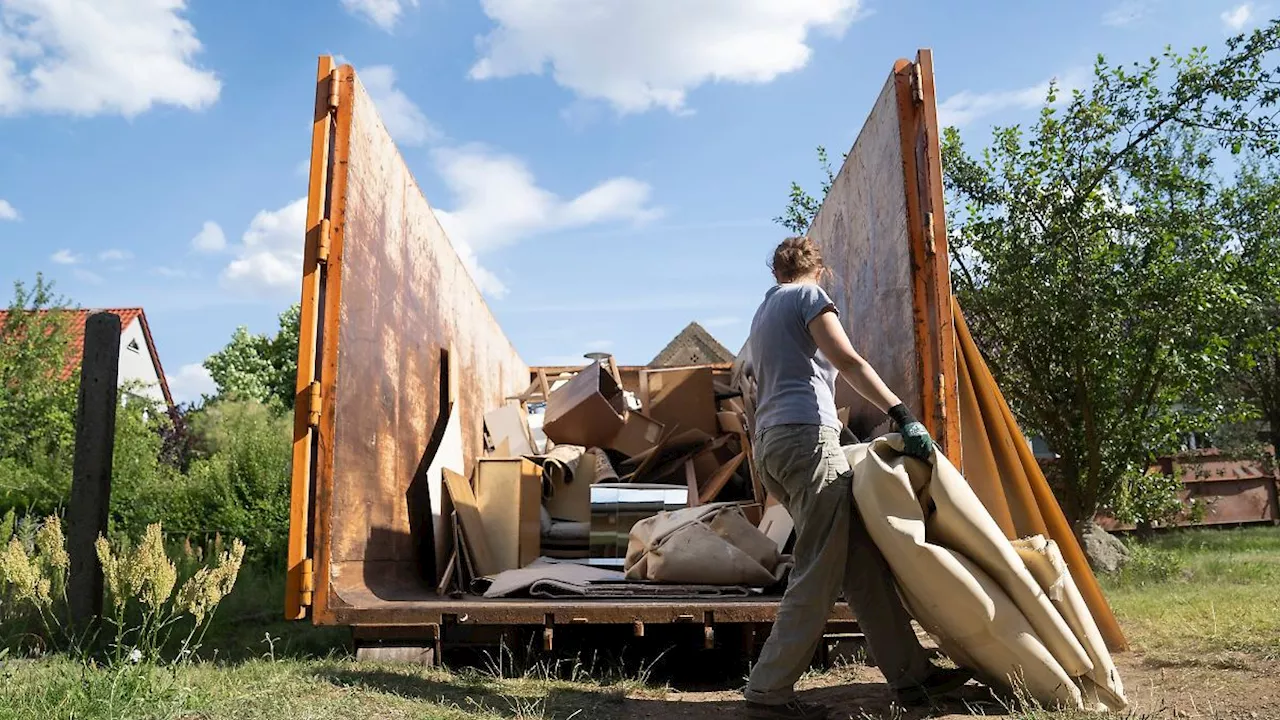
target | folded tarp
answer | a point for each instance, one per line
(546, 578)
(969, 587)
(712, 544)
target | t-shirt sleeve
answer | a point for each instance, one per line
(813, 302)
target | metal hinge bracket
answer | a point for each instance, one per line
(917, 84)
(313, 404)
(333, 90)
(307, 587)
(929, 235)
(322, 242)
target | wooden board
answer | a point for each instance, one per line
(886, 249)
(509, 495)
(472, 523)
(394, 294)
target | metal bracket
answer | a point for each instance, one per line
(307, 586)
(313, 404)
(323, 241)
(929, 235)
(917, 84)
(333, 90)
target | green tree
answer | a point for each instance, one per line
(37, 395)
(802, 207)
(1253, 219)
(1089, 256)
(258, 366)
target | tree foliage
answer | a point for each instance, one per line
(1252, 211)
(37, 403)
(1089, 256)
(258, 366)
(802, 207)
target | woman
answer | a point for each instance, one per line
(797, 348)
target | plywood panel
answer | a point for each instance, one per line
(882, 233)
(396, 295)
(862, 231)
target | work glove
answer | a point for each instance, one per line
(915, 438)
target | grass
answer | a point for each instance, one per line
(1204, 599)
(1207, 597)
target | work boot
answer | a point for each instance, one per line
(791, 710)
(940, 681)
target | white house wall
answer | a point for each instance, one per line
(136, 364)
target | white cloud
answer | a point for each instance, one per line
(210, 239)
(1126, 13)
(404, 120)
(642, 55)
(65, 257)
(89, 57)
(86, 276)
(966, 106)
(383, 13)
(8, 212)
(115, 255)
(269, 257)
(498, 203)
(190, 383)
(1236, 19)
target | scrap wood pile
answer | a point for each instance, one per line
(590, 489)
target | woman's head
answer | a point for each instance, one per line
(796, 258)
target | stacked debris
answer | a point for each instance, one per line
(576, 462)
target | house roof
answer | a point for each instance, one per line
(693, 346)
(75, 339)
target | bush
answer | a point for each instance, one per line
(1150, 564)
(243, 481)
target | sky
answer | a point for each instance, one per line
(610, 167)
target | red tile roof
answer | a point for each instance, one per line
(75, 339)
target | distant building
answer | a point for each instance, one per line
(693, 346)
(139, 361)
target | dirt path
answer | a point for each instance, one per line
(1245, 690)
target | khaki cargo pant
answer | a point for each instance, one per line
(804, 467)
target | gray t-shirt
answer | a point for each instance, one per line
(795, 383)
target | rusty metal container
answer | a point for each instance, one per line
(395, 335)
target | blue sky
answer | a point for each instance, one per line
(612, 165)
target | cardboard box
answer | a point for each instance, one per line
(588, 410)
(683, 398)
(509, 497)
(639, 433)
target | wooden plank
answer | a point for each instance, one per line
(395, 294)
(87, 509)
(717, 482)
(509, 496)
(510, 423)
(472, 523)
(884, 243)
(300, 499)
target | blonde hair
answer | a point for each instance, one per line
(795, 257)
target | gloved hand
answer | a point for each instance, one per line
(915, 437)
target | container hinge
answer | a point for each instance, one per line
(313, 404)
(322, 242)
(307, 587)
(333, 90)
(942, 395)
(929, 235)
(917, 84)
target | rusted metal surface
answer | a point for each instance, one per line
(881, 234)
(395, 295)
(1232, 491)
(298, 594)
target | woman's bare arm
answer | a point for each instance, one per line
(832, 340)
